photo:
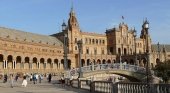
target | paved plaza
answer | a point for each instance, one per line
(43, 87)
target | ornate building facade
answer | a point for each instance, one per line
(30, 53)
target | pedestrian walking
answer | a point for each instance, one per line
(24, 82)
(49, 78)
(16, 77)
(62, 81)
(31, 77)
(5, 78)
(71, 79)
(34, 78)
(11, 80)
(39, 78)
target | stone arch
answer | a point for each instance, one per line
(82, 62)
(55, 64)
(18, 62)
(119, 51)
(114, 61)
(34, 63)
(42, 62)
(1, 61)
(126, 61)
(49, 63)
(109, 61)
(143, 62)
(157, 61)
(98, 61)
(69, 64)
(125, 51)
(62, 63)
(131, 62)
(10, 61)
(103, 61)
(88, 62)
(27, 64)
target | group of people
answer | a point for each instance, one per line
(11, 79)
(32, 77)
(35, 78)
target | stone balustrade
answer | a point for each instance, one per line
(110, 87)
(116, 66)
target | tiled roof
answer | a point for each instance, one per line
(161, 46)
(28, 37)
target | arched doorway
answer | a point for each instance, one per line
(34, 64)
(55, 64)
(157, 61)
(143, 62)
(98, 61)
(126, 61)
(69, 64)
(62, 63)
(131, 62)
(10, 62)
(125, 51)
(109, 61)
(1, 61)
(82, 62)
(88, 62)
(119, 51)
(42, 63)
(27, 64)
(18, 62)
(104, 61)
(49, 63)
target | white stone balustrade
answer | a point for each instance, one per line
(116, 66)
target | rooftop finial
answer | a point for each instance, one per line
(71, 5)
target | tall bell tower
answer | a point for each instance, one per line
(74, 33)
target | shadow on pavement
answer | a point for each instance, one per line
(69, 88)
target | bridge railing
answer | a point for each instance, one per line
(110, 87)
(116, 66)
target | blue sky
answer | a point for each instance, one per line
(46, 16)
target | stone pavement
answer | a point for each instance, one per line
(43, 87)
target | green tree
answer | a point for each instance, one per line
(162, 70)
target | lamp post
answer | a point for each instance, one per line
(65, 52)
(135, 34)
(65, 45)
(158, 51)
(146, 27)
(79, 43)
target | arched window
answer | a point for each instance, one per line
(90, 41)
(93, 41)
(119, 51)
(103, 42)
(96, 41)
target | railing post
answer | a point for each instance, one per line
(115, 88)
(79, 83)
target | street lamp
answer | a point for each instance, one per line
(64, 27)
(146, 27)
(158, 51)
(135, 34)
(79, 43)
(65, 52)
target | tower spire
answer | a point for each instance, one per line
(72, 7)
(72, 22)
